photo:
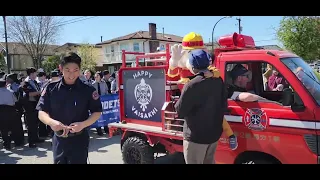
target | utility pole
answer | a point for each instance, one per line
(6, 39)
(239, 24)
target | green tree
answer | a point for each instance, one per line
(51, 63)
(89, 56)
(3, 64)
(301, 35)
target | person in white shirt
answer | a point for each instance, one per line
(114, 83)
(99, 84)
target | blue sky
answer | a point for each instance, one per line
(261, 28)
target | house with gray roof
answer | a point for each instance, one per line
(140, 41)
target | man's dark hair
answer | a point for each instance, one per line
(40, 74)
(71, 57)
(99, 73)
(105, 72)
(31, 70)
(55, 73)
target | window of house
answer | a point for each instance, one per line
(112, 50)
(107, 49)
(124, 46)
(136, 47)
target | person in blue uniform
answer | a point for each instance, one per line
(64, 105)
(14, 86)
(7, 113)
(31, 95)
(55, 76)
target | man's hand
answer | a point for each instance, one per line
(76, 127)
(279, 87)
(58, 126)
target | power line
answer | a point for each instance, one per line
(63, 24)
(72, 19)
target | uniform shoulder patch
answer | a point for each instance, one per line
(95, 95)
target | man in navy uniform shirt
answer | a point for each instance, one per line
(31, 95)
(64, 105)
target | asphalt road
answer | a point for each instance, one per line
(102, 150)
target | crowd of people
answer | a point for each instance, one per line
(19, 95)
(104, 83)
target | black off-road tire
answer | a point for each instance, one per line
(137, 151)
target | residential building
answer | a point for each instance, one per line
(73, 47)
(19, 56)
(140, 41)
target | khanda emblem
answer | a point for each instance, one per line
(143, 94)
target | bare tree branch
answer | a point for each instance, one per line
(35, 33)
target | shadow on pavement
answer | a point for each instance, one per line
(99, 142)
(40, 151)
(175, 158)
(6, 158)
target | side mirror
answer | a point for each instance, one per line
(292, 99)
(287, 98)
(297, 105)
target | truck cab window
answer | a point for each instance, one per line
(261, 79)
(305, 74)
(239, 77)
(273, 80)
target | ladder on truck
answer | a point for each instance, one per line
(155, 59)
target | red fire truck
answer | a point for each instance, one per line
(284, 129)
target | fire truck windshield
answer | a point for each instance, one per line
(309, 77)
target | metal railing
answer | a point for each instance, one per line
(172, 123)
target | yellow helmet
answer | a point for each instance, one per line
(192, 41)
